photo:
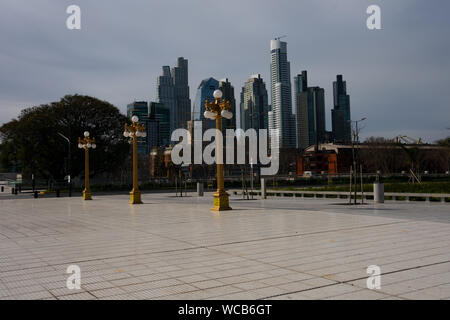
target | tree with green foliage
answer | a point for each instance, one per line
(32, 141)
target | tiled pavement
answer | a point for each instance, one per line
(176, 248)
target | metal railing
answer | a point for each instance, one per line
(394, 196)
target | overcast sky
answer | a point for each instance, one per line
(397, 77)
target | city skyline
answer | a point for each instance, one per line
(387, 70)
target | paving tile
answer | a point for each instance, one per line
(329, 291)
(281, 248)
(359, 295)
(207, 284)
(77, 296)
(102, 293)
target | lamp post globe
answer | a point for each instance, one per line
(209, 115)
(86, 133)
(226, 114)
(217, 94)
(135, 119)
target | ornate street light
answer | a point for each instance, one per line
(217, 110)
(134, 131)
(86, 143)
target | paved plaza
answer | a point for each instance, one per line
(176, 248)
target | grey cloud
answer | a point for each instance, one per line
(397, 77)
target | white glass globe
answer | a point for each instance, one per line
(217, 94)
(86, 133)
(209, 115)
(94, 146)
(226, 114)
(134, 118)
(80, 146)
(126, 134)
(88, 145)
(143, 134)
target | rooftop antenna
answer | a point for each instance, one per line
(281, 37)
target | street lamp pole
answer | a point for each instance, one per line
(134, 131)
(217, 110)
(69, 164)
(355, 139)
(86, 143)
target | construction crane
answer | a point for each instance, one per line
(412, 153)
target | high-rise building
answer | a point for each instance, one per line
(139, 109)
(204, 92)
(254, 104)
(180, 81)
(165, 94)
(282, 118)
(153, 134)
(340, 114)
(173, 92)
(228, 94)
(310, 112)
(160, 117)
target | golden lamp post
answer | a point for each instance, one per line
(134, 131)
(86, 143)
(217, 110)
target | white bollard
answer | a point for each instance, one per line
(200, 189)
(263, 189)
(378, 192)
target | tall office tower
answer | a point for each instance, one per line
(310, 115)
(183, 103)
(281, 99)
(254, 104)
(153, 134)
(204, 92)
(340, 115)
(165, 94)
(160, 117)
(139, 109)
(228, 94)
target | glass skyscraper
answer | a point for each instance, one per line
(159, 114)
(139, 109)
(281, 99)
(165, 94)
(340, 114)
(204, 92)
(254, 104)
(310, 112)
(181, 86)
(228, 94)
(173, 92)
